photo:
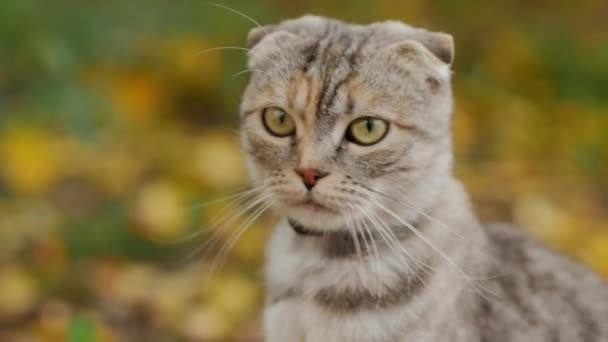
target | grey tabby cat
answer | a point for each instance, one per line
(347, 129)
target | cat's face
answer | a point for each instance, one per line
(344, 122)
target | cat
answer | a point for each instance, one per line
(347, 129)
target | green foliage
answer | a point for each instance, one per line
(81, 329)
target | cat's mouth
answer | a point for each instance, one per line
(313, 211)
(313, 205)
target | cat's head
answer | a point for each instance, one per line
(343, 122)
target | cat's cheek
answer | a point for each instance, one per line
(269, 153)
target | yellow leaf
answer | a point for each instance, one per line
(234, 295)
(218, 161)
(159, 211)
(29, 160)
(206, 325)
(18, 291)
(138, 97)
(252, 242)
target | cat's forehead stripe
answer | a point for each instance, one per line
(336, 72)
(336, 67)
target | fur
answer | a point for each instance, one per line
(397, 254)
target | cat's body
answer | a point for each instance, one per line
(379, 242)
(523, 291)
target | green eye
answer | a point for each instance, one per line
(366, 131)
(278, 122)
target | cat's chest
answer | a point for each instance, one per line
(302, 321)
(301, 265)
(312, 298)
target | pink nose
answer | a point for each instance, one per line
(310, 176)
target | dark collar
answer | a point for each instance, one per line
(301, 230)
(306, 231)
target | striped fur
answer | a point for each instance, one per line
(396, 253)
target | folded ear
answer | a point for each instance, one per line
(439, 43)
(414, 50)
(442, 52)
(258, 33)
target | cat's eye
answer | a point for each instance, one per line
(366, 131)
(278, 122)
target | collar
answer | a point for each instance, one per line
(299, 229)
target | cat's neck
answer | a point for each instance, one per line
(429, 269)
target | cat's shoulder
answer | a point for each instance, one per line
(542, 291)
(512, 246)
(525, 265)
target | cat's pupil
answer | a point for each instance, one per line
(282, 118)
(369, 124)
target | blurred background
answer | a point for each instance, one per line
(114, 130)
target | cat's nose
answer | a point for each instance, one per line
(310, 176)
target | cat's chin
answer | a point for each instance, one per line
(316, 217)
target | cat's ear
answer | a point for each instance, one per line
(440, 45)
(256, 34)
(410, 47)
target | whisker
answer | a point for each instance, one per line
(348, 214)
(219, 231)
(417, 210)
(366, 233)
(421, 236)
(215, 221)
(239, 13)
(253, 202)
(284, 60)
(421, 265)
(358, 246)
(393, 244)
(234, 198)
(379, 284)
(246, 191)
(471, 279)
(353, 233)
(222, 48)
(222, 255)
(389, 239)
(249, 70)
(395, 241)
